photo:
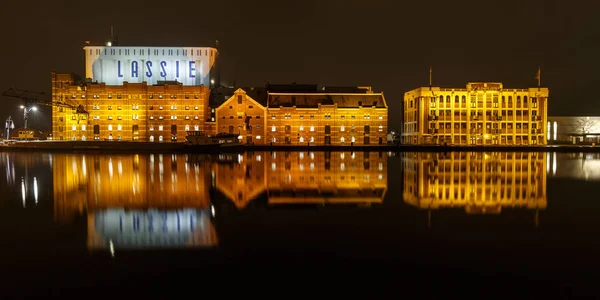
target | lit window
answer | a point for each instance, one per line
(119, 127)
(273, 128)
(380, 128)
(109, 127)
(353, 140)
(312, 128)
(160, 96)
(151, 128)
(119, 107)
(160, 127)
(258, 138)
(187, 127)
(160, 107)
(342, 128)
(160, 117)
(196, 107)
(74, 127)
(119, 118)
(151, 117)
(301, 139)
(380, 117)
(173, 107)
(312, 140)
(274, 139)
(187, 117)
(83, 127)
(195, 117)
(555, 129)
(301, 128)
(273, 117)
(196, 127)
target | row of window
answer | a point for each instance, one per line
(327, 140)
(137, 107)
(288, 128)
(150, 96)
(326, 116)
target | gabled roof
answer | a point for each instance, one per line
(220, 95)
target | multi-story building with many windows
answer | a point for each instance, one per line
(331, 116)
(151, 94)
(480, 114)
(128, 112)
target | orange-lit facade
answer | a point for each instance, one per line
(483, 113)
(242, 115)
(359, 117)
(327, 118)
(475, 181)
(128, 112)
(303, 177)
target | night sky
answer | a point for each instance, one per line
(385, 44)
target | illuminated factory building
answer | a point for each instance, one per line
(476, 182)
(158, 94)
(480, 114)
(136, 94)
(305, 115)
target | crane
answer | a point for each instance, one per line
(39, 98)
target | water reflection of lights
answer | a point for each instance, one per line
(553, 163)
(112, 248)
(35, 189)
(23, 190)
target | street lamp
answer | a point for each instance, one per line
(25, 111)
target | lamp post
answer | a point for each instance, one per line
(8, 126)
(26, 110)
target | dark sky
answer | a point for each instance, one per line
(385, 44)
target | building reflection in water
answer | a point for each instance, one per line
(579, 166)
(135, 201)
(303, 177)
(477, 182)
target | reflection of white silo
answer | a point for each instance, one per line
(150, 228)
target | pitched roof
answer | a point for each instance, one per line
(313, 100)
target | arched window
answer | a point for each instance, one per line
(301, 139)
(341, 139)
(160, 138)
(151, 138)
